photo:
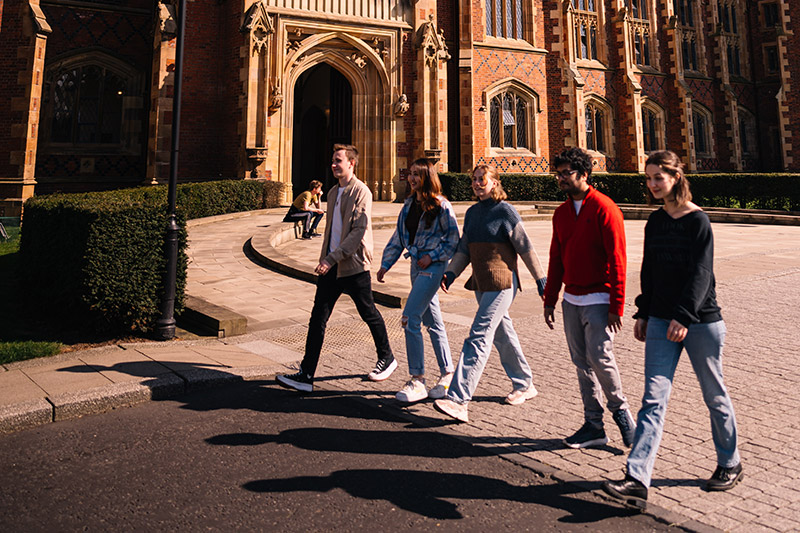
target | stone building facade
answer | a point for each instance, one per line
(270, 85)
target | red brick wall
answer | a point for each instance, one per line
(12, 65)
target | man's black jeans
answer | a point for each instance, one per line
(329, 288)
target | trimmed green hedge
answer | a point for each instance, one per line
(749, 191)
(97, 258)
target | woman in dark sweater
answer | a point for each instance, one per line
(677, 309)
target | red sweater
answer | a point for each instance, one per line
(587, 252)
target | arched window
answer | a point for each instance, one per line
(702, 128)
(88, 101)
(652, 127)
(504, 18)
(598, 126)
(747, 133)
(511, 118)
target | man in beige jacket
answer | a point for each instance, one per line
(344, 268)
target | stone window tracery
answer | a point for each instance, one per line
(87, 102)
(653, 122)
(598, 126)
(688, 31)
(747, 133)
(511, 120)
(586, 23)
(702, 125)
(732, 39)
(641, 32)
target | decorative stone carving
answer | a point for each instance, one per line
(401, 106)
(360, 60)
(167, 24)
(259, 25)
(276, 96)
(432, 42)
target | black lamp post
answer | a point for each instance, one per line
(165, 326)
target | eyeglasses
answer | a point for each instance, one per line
(565, 174)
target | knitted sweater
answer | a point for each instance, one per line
(678, 269)
(587, 251)
(493, 236)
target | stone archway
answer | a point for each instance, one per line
(366, 74)
(323, 116)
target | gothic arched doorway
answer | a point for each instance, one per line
(323, 116)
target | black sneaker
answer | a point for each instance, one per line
(724, 478)
(587, 436)
(383, 369)
(300, 381)
(629, 491)
(626, 426)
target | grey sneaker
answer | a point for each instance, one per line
(440, 389)
(586, 437)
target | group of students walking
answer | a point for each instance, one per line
(677, 308)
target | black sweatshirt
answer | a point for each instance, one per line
(678, 269)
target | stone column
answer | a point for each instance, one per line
(24, 29)
(161, 94)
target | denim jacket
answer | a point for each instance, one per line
(439, 241)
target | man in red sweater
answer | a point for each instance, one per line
(587, 255)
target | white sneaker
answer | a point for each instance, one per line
(414, 391)
(518, 396)
(451, 408)
(440, 390)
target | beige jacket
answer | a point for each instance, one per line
(354, 254)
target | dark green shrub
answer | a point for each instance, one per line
(746, 191)
(98, 259)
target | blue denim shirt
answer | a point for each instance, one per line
(439, 241)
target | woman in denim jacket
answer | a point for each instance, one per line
(427, 230)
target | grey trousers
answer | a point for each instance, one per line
(590, 344)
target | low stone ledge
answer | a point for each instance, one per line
(211, 318)
(25, 415)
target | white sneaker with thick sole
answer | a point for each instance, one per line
(518, 396)
(453, 409)
(383, 369)
(440, 389)
(414, 391)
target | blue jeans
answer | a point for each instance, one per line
(491, 325)
(703, 344)
(422, 307)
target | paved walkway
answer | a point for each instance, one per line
(758, 275)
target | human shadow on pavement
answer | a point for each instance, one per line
(427, 493)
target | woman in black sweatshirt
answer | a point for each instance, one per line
(677, 309)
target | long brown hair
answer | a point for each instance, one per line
(490, 172)
(670, 163)
(430, 188)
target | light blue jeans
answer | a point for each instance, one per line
(703, 344)
(422, 307)
(491, 325)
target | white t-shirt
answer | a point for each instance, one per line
(336, 223)
(578, 204)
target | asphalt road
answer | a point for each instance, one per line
(256, 457)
